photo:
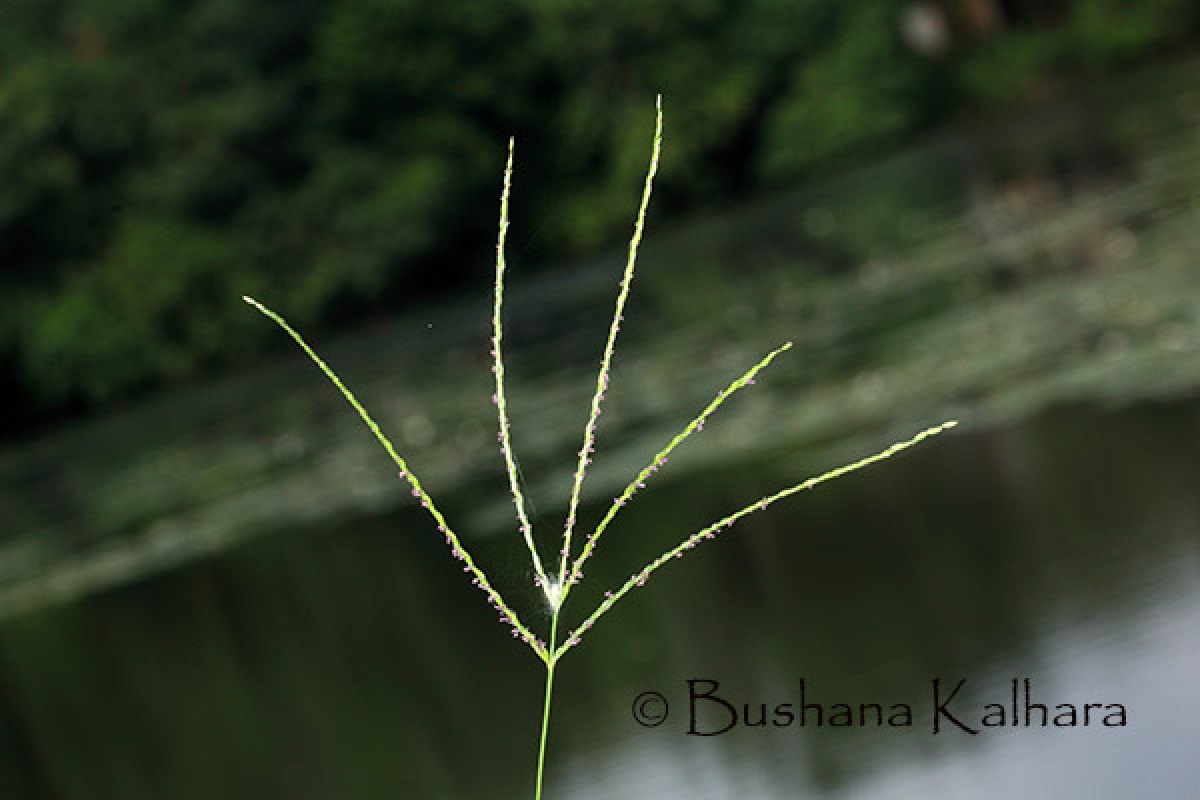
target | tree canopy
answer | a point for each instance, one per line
(161, 158)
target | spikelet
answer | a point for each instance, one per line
(710, 531)
(589, 431)
(557, 586)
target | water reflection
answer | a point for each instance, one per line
(356, 663)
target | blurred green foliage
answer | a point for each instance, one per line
(160, 158)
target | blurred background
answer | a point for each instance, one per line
(211, 583)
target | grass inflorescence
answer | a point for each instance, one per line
(556, 585)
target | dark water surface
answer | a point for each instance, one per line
(226, 593)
